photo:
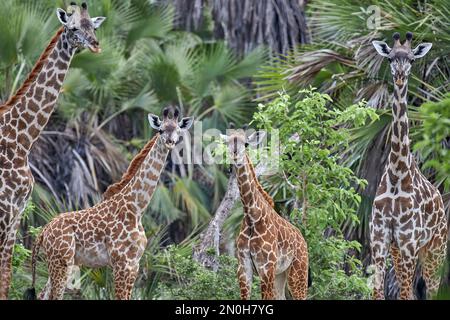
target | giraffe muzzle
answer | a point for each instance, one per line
(95, 49)
(94, 46)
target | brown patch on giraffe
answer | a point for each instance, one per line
(33, 106)
(61, 65)
(53, 83)
(33, 131)
(395, 146)
(27, 117)
(64, 56)
(395, 129)
(23, 140)
(41, 119)
(402, 109)
(405, 203)
(393, 157)
(384, 205)
(21, 125)
(406, 182)
(404, 129)
(131, 171)
(405, 150)
(38, 94)
(392, 177)
(402, 167)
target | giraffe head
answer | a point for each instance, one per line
(80, 26)
(401, 56)
(170, 128)
(237, 142)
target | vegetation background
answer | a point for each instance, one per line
(221, 59)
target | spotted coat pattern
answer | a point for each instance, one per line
(267, 243)
(408, 216)
(108, 234)
(22, 119)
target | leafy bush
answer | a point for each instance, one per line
(186, 279)
(434, 139)
(313, 135)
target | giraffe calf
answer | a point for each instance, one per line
(110, 233)
(91, 238)
(267, 243)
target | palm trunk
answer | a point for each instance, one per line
(247, 24)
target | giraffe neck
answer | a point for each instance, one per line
(248, 189)
(400, 156)
(26, 113)
(139, 191)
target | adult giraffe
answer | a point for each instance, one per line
(24, 116)
(267, 243)
(111, 232)
(408, 212)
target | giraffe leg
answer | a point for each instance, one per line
(5, 267)
(267, 275)
(408, 264)
(59, 272)
(124, 277)
(298, 279)
(245, 274)
(396, 260)
(7, 242)
(433, 261)
(380, 238)
(45, 293)
(280, 286)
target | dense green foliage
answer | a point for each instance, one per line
(433, 143)
(320, 190)
(186, 279)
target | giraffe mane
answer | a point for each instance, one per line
(33, 73)
(131, 171)
(258, 185)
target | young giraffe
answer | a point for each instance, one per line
(24, 116)
(408, 212)
(110, 233)
(267, 242)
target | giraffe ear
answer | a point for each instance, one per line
(154, 121)
(382, 48)
(256, 138)
(62, 16)
(422, 49)
(186, 123)
(97, 21)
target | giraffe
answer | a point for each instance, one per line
(408, 214)
(24, 116)
(267, 243)
(110, 233)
